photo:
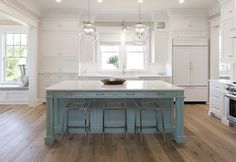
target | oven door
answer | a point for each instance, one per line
(231, 107)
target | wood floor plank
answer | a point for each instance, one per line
(23, 130)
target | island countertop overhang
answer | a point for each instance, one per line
(129, 85)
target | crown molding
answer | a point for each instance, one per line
(19, 12)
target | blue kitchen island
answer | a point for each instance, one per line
(59, 95)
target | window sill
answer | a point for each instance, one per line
(12, 87)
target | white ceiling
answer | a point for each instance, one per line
(116, 6)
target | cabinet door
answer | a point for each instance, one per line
(199, 66)
(60, 43)
(50, 43)
(227, 10)
(69, 43)
(181, 67)
(227, 41)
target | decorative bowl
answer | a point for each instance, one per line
(115, 81)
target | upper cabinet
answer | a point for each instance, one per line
(60, 43)
(227, 41)
(189, 23)
(227, 24)
(60, 24)
(227, 10)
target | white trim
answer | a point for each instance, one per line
(24, 16)
(19, 13)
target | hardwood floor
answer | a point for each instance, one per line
(22, 131)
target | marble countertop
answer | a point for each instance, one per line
(134, 85)
(223, 81)
(124, 76)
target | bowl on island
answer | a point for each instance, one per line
(113, 81)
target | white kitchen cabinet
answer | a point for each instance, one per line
(60, 43)
(181, 68)
(216, 106)
(65, 23)
(189, 23)
(190, 66)
(216, 98)
(199, 66)
(227, 42)
(227, 9)
(190, 70)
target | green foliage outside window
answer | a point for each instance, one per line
(113, 60)
(12, 70)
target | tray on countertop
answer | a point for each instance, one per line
(113, 81)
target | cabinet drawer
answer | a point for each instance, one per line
(100, 94)
(216, 85)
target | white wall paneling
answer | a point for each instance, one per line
(14, 96)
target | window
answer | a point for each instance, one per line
(15, 54)
(118, 51)
(135, 57)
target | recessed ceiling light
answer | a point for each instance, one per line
(140, 1)
(181, 1)
(100, 1)
(58, 1)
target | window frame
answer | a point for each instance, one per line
(5, 57)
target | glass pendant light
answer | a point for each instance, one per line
(88, 29)
(140, 28)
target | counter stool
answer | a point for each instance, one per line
(76, 106)
(114, 106)
(148, 105)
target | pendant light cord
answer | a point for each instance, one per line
(139, 12)
(88, 10)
